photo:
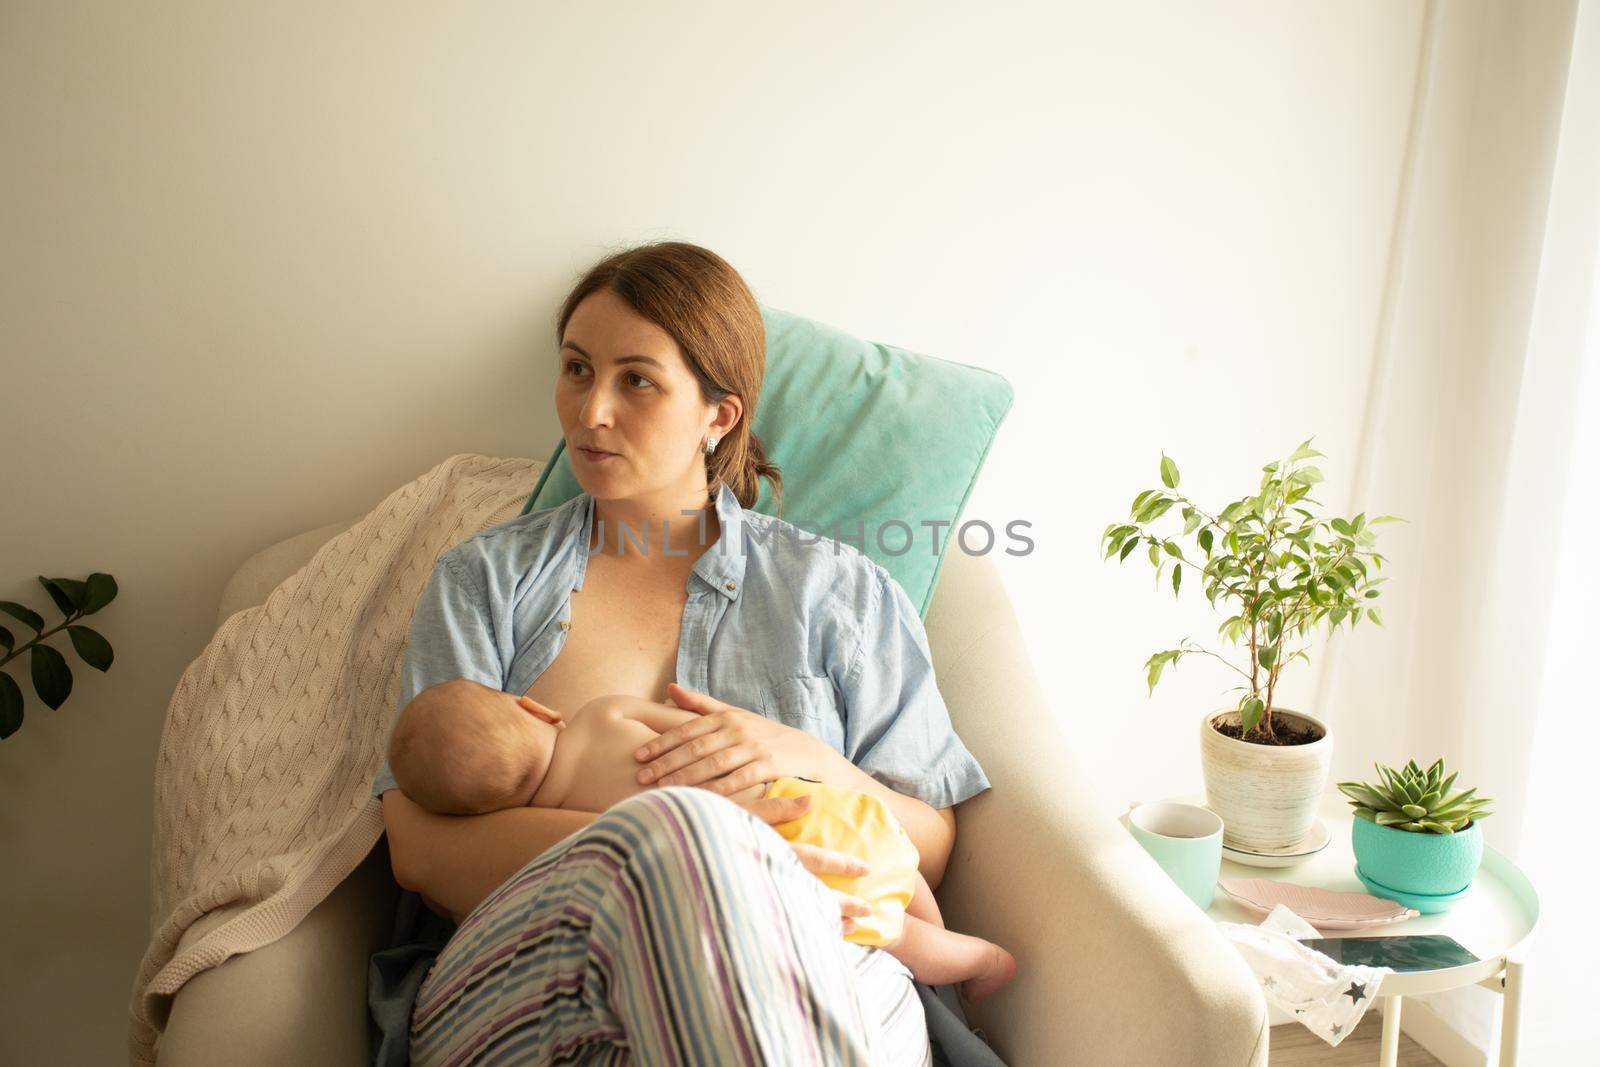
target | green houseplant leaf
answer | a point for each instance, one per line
(68, 593)
(10, 707)
(102, 590)
(23, 615)
(94, 649)
(52, 679)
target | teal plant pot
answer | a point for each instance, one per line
(1425, 865)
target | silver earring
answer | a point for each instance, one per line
(711, 445)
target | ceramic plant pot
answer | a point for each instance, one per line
(1427, 865)
(1267, 795)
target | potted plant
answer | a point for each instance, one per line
(1413, 838)
(52, 678)
(1278, 569)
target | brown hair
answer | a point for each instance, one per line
(698, 298)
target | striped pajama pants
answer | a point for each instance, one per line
(676, 929)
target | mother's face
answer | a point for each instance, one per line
(630, 407)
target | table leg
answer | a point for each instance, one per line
(1511, 1013)
(1389, 1056)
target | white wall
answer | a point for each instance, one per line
(260, 267)
(1210, 276)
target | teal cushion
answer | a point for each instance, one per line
(861, 431)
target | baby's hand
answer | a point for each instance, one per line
(538, 710)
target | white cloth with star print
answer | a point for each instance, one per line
(1328, 997)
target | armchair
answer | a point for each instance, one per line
(1115, 965)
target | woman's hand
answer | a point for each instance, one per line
(818, 861)
(728, 749)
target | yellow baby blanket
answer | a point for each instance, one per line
(848, 820)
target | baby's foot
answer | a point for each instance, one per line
(1000, 969)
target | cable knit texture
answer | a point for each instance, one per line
(276, 730)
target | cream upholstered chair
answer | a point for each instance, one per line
(1115, 965)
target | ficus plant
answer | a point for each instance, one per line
(52, 678)
(1276, 565)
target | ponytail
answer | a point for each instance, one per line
(740, 462)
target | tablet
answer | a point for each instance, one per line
(1414, 952)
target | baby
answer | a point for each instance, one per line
(461, 748)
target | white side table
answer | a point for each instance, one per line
(1494, 922)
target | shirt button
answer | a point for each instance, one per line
(565, 625)
(730, 586)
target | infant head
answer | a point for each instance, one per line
(461, 748)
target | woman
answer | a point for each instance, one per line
(676, 927)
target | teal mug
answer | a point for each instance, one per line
(1185, 840)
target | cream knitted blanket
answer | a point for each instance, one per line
(276, 730)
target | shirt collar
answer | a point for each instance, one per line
(720, 567)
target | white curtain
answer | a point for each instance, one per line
(1482, 431)
(1564, 974)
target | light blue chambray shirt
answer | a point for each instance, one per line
(802, 629)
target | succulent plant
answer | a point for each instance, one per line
(1416, 800)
